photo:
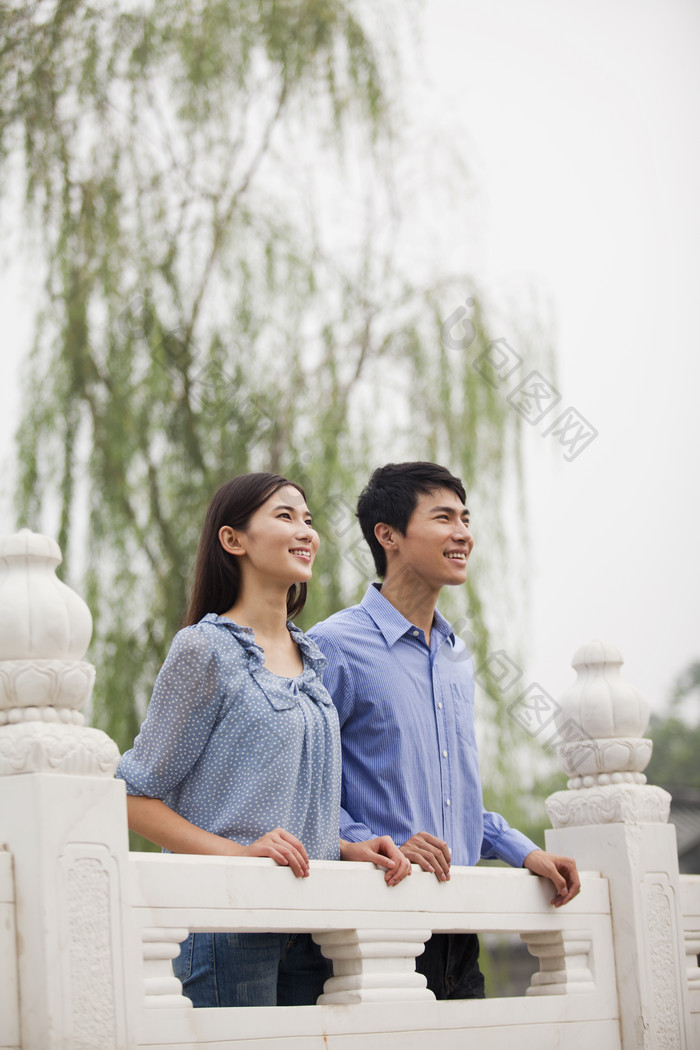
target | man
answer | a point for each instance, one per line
(403, 685)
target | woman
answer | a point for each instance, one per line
(239, 754)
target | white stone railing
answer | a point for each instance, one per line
(87, 930)
(373, 933)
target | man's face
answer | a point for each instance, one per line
(437, 543)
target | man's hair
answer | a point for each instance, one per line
(391, 495)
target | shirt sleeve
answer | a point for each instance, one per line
(501, 842)
(336, 678)
(183, 710)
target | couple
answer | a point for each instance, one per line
(240, 751)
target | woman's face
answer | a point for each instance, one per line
(278, 540)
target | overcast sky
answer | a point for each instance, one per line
(583, 124)
(580, 121)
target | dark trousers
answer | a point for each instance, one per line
(450, 964)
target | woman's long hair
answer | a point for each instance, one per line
(217, 574)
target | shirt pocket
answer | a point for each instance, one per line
(463, 707)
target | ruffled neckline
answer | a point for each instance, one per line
(314, 660)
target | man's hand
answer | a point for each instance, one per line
(561, 871)
(432, 854)
(382, 851)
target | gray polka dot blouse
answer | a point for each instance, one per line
(236, 749)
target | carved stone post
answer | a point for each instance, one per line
(611, 821)
(564, 962)
(160, 946)
(373, 966)
(62, 816)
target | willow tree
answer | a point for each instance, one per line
(223, 232)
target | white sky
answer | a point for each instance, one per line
(581, 124)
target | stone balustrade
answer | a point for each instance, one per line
(88, 931)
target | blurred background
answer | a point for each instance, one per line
(319, 235)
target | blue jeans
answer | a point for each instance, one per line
(450, 963)
(251, 969)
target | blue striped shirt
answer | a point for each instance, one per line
(406, 714)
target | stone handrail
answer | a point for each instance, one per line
(373, 933)
(87, 931)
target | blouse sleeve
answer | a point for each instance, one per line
(184, 708)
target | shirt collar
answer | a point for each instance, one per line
(392, 623)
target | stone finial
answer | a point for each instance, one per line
(45, 629)
(39, 616)
(600, 722)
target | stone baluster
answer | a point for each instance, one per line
(564, 962)
(161, 945)
(62, 816)
(373, 966)
(612, 821)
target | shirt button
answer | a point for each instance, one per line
(439, 707)
(416, 633)
(447, 802)
(444, 754)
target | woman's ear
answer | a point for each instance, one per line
(230, 540)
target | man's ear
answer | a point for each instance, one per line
(230, 540)
(386, 536)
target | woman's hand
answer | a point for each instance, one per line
(155, 821)
(381, 851)
(283, 847)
